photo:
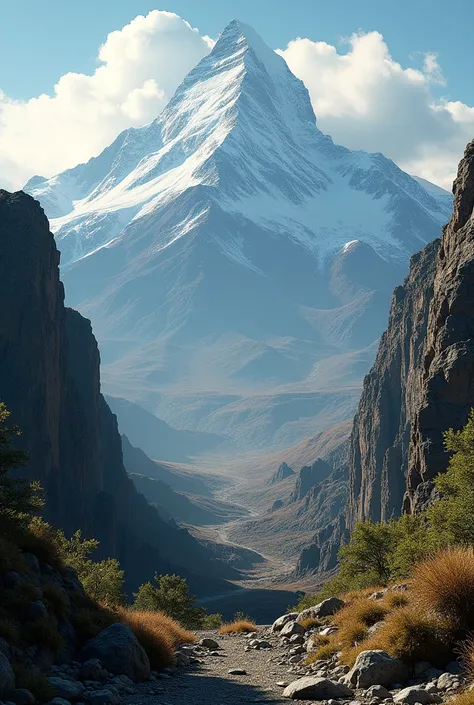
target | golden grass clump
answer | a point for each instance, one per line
(323, 653)
(396, 599)
(413, 635)
(238, 627)
(310, 623)
(444, 584)
(157, 633)
(465, 698)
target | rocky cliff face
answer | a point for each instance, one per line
(422, 382)
(49, 379)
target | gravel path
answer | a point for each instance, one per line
(208, 682)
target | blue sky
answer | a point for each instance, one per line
(383, 76)
(39, 41)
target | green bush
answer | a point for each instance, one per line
(170, 595)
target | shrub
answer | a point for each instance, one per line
(310, 623)
(363, 611)
(157, 633)
(19, 498)
(411, 635)
(238, 626)
(43, 632)
(465, 698)
(170, 595)
(55, 598)
(35, 682)
(41, 538)
(444, 584)
(10, 557)
(366, 558)
(212, 621)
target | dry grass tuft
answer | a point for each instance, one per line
(310, 623)
(323, 653)
(238, 627)
(157, 633)
(396, 599)
(412, 636)
(444, 584)
(35, 682)
(465, 698)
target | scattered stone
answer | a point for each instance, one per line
(416, 694)
(7, 677)
(37, 610)
(119, 651)
(279, 623)
(283, 684)
(92, 670)
(22, 696)
(103, 697)
(448, 680)
(313, 688)
(376, 668)
(296, 658)
(237, 672)
(328, 630)
(59, 701)
(326, 608)
(66, 689)
(181, 659)
(420, 668)
(291, 628)
(379, 692)
(454, 667)
(297, 639)
(208, 643)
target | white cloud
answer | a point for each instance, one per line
(366, 100)
(139, 68)
(362, 98)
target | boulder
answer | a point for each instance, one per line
(379, 692)
(376, 668)
(66, 689)
(313, 688)
(448, 680)
(104, 697)
(22, 696)
(93, 670)
(59, 701)
(279, 623)
(7, 677)
(326, 608)
(119, 651)
(209, 643)
(291, 628)
(37, 610)
(416, 694)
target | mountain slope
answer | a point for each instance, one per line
(229, 249)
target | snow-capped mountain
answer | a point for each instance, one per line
(237, 265)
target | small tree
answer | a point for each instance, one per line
(170, 595)
(103, 581)
(452, 517)
(20, 499)
(366, 560)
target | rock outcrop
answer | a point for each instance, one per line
(422, 382)
(281, 473)
(49, 380)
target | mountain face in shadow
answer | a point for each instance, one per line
(49, 380)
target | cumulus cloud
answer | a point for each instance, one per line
(362, 98)
(139, 67)
(366, 100)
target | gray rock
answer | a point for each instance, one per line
(92, 670)
(326, 608)
(313, 688)
(32, 562)
(105, 696)
(291, 628)
(447, 680)
(420, 668)
(59, 701)
(22, 696)
(237, 672)
(297, 639)
(296, 658)
(181, 659)
(119, 651)
(279, 623)
(416, 694)
(65, 688)
(454, 667)
(432, 674)
(4, 647)
(376, 668)
(208, 643)
(7, 677)
(379, 692)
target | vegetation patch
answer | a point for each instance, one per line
(35, 682)
(239, 626)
